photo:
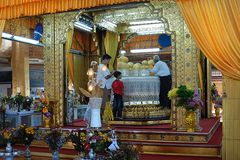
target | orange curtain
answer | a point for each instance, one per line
(10, 9)
(69, 56)
(2, 24)
(215, 26)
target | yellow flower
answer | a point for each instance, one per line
(7, 134)
(109, 139)
(82, 134)
(188, 86)
(21, 126)
(30, 130)
(172, 93)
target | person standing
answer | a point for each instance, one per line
(117, 87)
(104, 80)
(162, 70)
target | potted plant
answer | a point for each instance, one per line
(55, 140)
(8, 136)
(26, 136)
(78, 139)
(189, 99)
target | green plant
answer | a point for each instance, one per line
(55, 139)
(186, 97)
(25, 135)
(78, 140)
(126, 152)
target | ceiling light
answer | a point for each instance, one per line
(145, 22)
(119, 15)
(158, 25)
(6, 35)
(110, 23)
(145, 50)
(26, 40)
(83, 26)
(122, 51)
(21, 39)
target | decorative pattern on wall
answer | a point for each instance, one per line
(55, 27)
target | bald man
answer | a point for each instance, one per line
(162, 70)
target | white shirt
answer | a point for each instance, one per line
(102, 72)
(161, 69)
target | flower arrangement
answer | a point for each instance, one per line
(9, 135)
(78, 140)
(214, 92)
(55, 139)
(83, 141)
(27, 102)
(25, 134)
(216, 98)
(43, 106)
(4, 101)
(99, 141)
(186, 97)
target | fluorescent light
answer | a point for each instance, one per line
(21, 39)
(26, 40)
(6, 35)
(110, 23)
(83, 26)
(145, 22)
(119, 15)
(157, 25)
(122, 51)
(145, 50)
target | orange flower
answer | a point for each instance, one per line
(44, 110)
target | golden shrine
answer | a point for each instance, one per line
(79, 32)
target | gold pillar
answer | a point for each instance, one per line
(231, 119)
(20, 68)
(209, 79)
(55, 32)
(184, 52)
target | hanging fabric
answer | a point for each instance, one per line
(111, 46)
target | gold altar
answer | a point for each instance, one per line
(184, 56)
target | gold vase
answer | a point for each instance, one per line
(190, 121)
(47, 122)
(217, 112)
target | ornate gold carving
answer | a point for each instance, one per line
(55, 27)
(184, 55)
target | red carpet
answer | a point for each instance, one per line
(159, 157)
(206, 124)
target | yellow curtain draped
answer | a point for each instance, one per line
(215, 25)
(10, 9)
(69, 56)
(111, 46)
(2, 24)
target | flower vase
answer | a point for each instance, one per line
(55, 155)
(217, 112)
(27, 153)
(9, 148)
(47, 122)
(190, 121)
(91, 154)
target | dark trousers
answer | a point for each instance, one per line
(117, 105)
(165, 87)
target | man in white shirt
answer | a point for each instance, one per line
(162, 70)
(104, 80)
